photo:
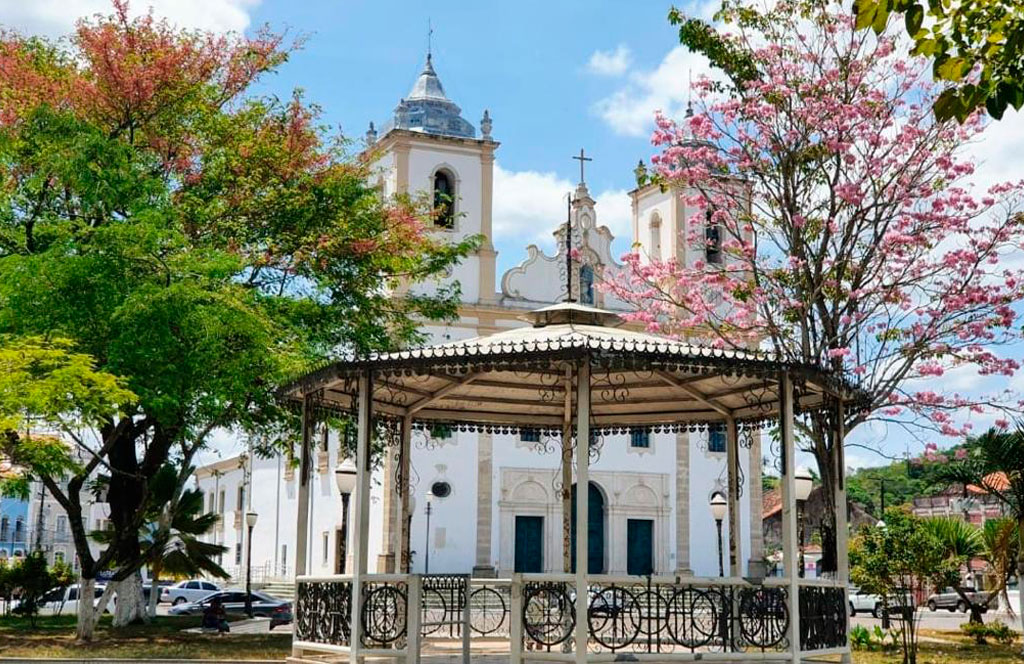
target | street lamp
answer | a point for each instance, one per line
(718, 507)
(803, 482)
(345, 477)
(250, 522)
(426, 551)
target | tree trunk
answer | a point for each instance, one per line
(130, 609)
(1020, 571)
(154, 588)
(87, 615)
(824, 456)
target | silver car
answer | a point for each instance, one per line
(187, 591)
(950, 599)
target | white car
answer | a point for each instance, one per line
(65, 600)
(862, 601)
(187, 591)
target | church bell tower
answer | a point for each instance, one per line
(428, 149)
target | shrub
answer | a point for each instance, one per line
(994, 630)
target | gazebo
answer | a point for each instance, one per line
(575, 374)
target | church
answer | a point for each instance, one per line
(493, 502)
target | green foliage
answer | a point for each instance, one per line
(192, 244)
(901, 556)
(700, 37)
(977, 47)
(861, 638)
(903, 482)
(30, 578)
(981, 632)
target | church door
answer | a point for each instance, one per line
(595, 530)
(529, 554)
(639, 547)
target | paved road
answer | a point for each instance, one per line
(942, 620)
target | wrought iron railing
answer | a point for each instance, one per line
(651, 615)
(626, 616)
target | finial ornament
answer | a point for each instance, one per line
(641, 173)
(486, 125)
(371, 134)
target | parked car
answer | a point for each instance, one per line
(263, 606)
(862, 601)
(65, 600)
(183, 592)
(950, 599)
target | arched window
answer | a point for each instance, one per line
(444, 200)
(586, 284)
(5, 526)
(19, 530)
(655, 245)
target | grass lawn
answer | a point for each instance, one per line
(54, 636)
(958, 650)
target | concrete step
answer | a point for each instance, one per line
(281, 589)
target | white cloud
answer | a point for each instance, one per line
(998, 151)
(630, 109)
(529, 206)
(610, 63)
(55, 18)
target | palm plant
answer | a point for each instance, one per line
(961, 542)
(1002, 543)
(170, 540)
(994, 462)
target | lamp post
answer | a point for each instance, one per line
(718, 507)
(881, 525)
(250, 522)
(803, 482)
(345, 477)
(426, 550)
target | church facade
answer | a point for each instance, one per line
(496, 499)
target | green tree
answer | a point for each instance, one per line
(199, 242)
(33, 579)
(898, 559)
(6, 584)
(961, 542)
(976, 47)
(994, 461)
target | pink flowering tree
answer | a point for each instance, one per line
(843, 221)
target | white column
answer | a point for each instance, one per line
(789, 530)
(362, 510)
(732, 457)
(755, 564)
(302, 518)
(682, 507)
(582, 504)
(842, 544)
(484, 504)
(386, 559)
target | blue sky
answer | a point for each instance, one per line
(555, 76)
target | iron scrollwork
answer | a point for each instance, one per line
(323, 612)
(822, 618)
(549, 614)
(383, 615)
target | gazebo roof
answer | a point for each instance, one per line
(517, 379)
